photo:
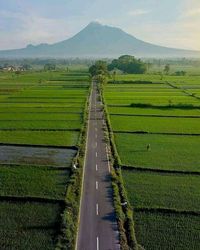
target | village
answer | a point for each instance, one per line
(11, 68)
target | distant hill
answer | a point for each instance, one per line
(97, 40)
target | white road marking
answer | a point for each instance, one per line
(97, 185)
(96, 167)
(97, 243)
(108, 158)
(97, 209)
(96, 154)
(108, 166)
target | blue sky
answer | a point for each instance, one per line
(174, 23)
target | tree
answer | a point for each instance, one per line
(180, 73)
(167, 69)
(128, 64)
(49, 66)
(100, 67)
(114, 75)
(99, 71)
(26, 66)
(149, 65)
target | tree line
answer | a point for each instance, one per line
(126, 64)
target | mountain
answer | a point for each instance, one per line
(97, 40)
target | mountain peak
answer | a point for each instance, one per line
(94, 24)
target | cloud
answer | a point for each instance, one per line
(192, 13)
(19, 29)
(182, 34)
(138, 12)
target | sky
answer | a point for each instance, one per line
(172, 23)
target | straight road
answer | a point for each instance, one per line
(98, 226)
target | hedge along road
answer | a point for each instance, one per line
(98, 224)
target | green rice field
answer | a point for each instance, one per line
(156, 124)
(41, 116)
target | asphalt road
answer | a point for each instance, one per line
(98, 226)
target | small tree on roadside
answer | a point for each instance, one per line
(161, 76)
(49, 67)
(167, 69)
(99, 71)
(114, 75)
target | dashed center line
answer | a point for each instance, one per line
(96, 167)
(108, 166)
(96, 154)
(97, 209)
(97, 185)
(97, 243)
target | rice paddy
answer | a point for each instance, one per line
(155, 123)
(41, 116)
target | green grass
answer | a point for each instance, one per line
(28, 225)
(153, 111)
(43, 100)
(43, 124)
(48, 110)
(157, 78)
(154, 101)
(46, 92)
(167, 152)
(41, 116)
(55, 138)
(33, 181)
(17, 105)
(155, 190)
(159, 231)
(156, 124)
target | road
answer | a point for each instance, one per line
(98, 225)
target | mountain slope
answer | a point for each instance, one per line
(98, 40)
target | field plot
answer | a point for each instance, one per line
(146, 112)
(29, 225)
(154, 94)
(166, 231)
(161, 180)
(55, 138)
(190, 80)
(59, 157)
(40, 124)
(168, 152)
(156, 190)
(175, 125)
